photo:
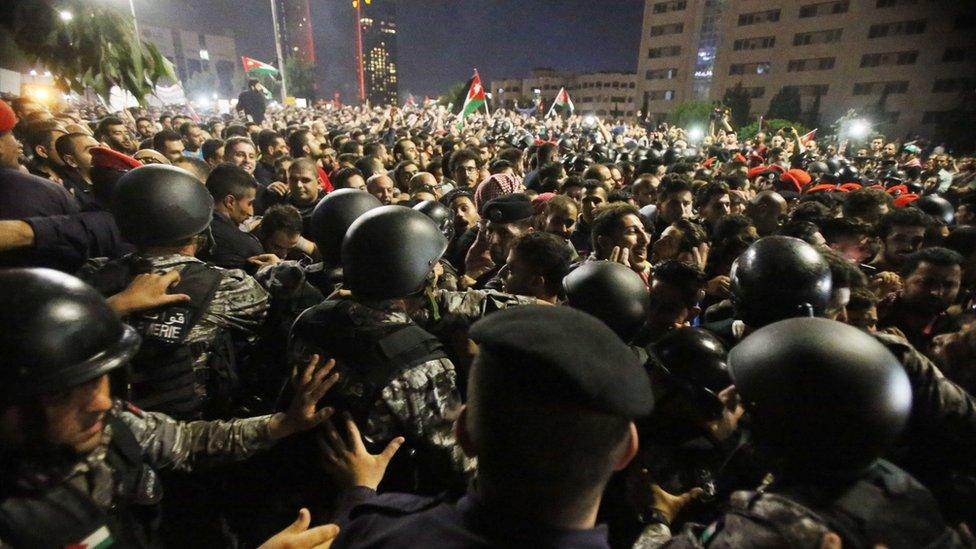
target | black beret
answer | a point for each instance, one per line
(508, 208)
(573, 357)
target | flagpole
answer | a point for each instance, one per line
(278, 51)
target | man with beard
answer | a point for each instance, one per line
(304, 144)
(931, 281)
(241, 152)
(233, 191)
(271, 146)
(75, 151)
(169, 144)
(507, 218)
(145, 128)
(536, 266)
(902, 233)
(595, 193)
(112, 132)
(193, 138)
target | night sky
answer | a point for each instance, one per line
(439, 41)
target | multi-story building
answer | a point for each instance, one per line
(192, 53)
(294, 27)
(903, 62)
(601, 93)
(377, 22)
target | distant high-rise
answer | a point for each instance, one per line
(294, 27)
(377, 24)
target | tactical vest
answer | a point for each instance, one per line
(885, 506)
(161, 376)
(368, 355)
(64, 516)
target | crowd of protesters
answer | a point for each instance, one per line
(504, 330)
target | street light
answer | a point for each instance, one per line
(65, 15)
(696, 133)
(858, 128)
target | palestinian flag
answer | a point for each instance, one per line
(562, 102)
(475, 99)
(258, 67)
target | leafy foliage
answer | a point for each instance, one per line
(770, 126)
(300, 77)
(737, 99)
(96, 49)
(785, 104)
(691, 113)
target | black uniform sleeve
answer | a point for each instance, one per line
(76, 237)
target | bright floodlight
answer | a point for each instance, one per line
(858, 129)
(203, 101)
(65, 15)
(589, 120)
(696, 133)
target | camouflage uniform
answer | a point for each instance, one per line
(161, 443)
(885, 508)
(419, 403)
(239, 305)
(450, 307)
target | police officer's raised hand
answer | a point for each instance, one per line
(147, 291)
(669, 505)
(299, 536)
(347, 459)
(309, 387)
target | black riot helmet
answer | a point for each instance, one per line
(332, 217)
(817, 168)
(849, 174)
(159, 205)
(389, 252)
(826, 399)
(937, 207)
(56, 332)
(691, 362)
(440, 214)
(611, 292)
(779, 277)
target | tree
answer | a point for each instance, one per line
(691, 113)
(738, 101)
(456, 94)
(770, 126)
(95, 48)
(300, 77)
(812, 117)
(785, 104)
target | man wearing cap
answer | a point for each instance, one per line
(505, 219)
(552, 400)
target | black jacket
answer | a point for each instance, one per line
(232, 246)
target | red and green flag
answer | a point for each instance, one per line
(562, 102)
(475, 99)
(253, 65)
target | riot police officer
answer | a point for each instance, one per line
(76, 467)
(397, 379)
(611, 292)
(781, 277)
(823, 415)
(185, 367)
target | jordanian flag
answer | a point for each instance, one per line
(257, 66)
(99, 539)
(562, 102)
(475, 99)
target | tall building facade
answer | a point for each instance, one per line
(903, 63)
(294, 25)
(377, 26)
(609, 93)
